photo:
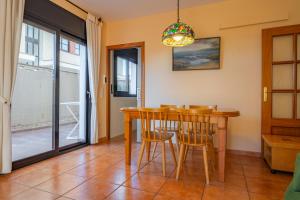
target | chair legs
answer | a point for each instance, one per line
(163, 157)
(186, 152)
(212, 157)
(148, 145)
(173, 152)
(154, 149)
(205, 164)
(180, 160)
(177, 143)
(177, 146)
(183, 150)
(141, 154)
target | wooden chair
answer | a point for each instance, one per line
(172, 126)
(150, 119)
(212, 131)
(194, 131)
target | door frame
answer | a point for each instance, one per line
(109, 81)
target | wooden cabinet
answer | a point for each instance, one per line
(280, 151)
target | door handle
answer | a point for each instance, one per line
(265, 94)
(89, 94)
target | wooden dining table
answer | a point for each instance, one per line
(219, 116)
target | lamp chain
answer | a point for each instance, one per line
(178, 18)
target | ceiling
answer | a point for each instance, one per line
(111, 10)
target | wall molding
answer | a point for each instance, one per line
(252, 24)
(244, 153)
(102, 140)
(240, 13)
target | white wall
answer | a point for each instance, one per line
(236, 85)
(116, 117)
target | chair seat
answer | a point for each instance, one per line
(169, 129)
(155, 136)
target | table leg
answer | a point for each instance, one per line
(222, 137)
(128, 134)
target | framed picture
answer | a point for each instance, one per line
(204, 53)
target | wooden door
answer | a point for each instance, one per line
(281, 81)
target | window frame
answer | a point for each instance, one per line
(117, 93)
(32, 40)
(37, 22)
(76, 49)
(61, 45)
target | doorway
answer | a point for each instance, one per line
(125, 84)
(281, 81)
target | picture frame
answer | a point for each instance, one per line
(203, 54)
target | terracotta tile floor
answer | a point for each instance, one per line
(98, 172)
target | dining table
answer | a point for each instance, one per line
(219, 116)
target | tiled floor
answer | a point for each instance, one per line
(98, 172)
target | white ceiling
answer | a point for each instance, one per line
(111, 10)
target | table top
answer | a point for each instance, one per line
(229, 112)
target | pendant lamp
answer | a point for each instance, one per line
(178, 34)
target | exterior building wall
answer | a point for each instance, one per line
(33, 93)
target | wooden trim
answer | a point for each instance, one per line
(283, 30)
(102, 140)
(283, 91)
(282, 62)
(108, 82)
(244, 153)
(266, 82)
(237, 152)
(295, 76)
(108, 77)
(289, 123)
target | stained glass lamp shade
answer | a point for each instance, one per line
(178, 34)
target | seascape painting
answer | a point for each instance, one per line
(204, 53)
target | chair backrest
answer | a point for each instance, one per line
(194, 126)
(171, 106)
(172, 125)
(151, 119)
(203, 107)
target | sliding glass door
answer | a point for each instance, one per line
(33, 98)
(72, 90)
(50, 95)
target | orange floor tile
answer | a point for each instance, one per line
(98, 172)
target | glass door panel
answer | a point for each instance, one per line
(282, 105)
(283, 48)
(72, 90)
(32, 102)
(122, 83)
(132, 78)
(283, 77)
